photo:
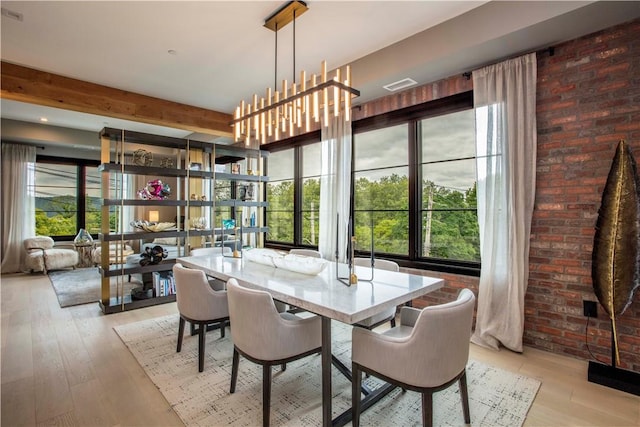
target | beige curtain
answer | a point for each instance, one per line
(335, 188)
(18, 203)
(505, 102)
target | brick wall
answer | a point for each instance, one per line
(588, 98)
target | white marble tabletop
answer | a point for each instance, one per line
(322, 294)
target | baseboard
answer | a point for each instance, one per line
(620, 379)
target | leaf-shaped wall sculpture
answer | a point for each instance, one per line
(616, 265)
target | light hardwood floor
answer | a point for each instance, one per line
(68, 367)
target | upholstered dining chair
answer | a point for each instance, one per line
(198, 304)
(216, 284)
(388, 315)
(426, 353)
(266, 337)
(306, 252)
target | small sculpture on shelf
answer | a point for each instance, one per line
(142, 157)
(152, 255)
(155, 190)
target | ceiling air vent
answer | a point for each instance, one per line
(400, 84)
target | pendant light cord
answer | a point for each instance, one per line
(294, 46)
(275, 74)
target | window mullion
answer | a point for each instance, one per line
(415, 180)
(297, 196)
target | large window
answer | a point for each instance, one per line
(293, 193)
(449, 221)
(67, 197)
(414, 186)
(310, 211)
(280, 195)
(381, 182)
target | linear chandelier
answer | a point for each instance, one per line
(291, 111)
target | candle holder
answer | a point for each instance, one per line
(238, 238)
(352, 279)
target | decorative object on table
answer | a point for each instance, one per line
(194, 197)
(616, 266)
(291, 262)
(142, 158)
(195, 166)
(153, 227)
(152, 255)
(235, 168)
(155, 190)
(166, 162)
(83, 238)
(228, 224)
(203, 197)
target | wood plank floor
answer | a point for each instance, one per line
(68, 367)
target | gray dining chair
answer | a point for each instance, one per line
(199, 305)
(216, 284)
(388, 315)
(266, 337)
(426, 353)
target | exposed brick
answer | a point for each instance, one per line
(588, 98)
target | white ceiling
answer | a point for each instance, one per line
(224, 54)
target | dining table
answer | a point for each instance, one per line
(326, 294)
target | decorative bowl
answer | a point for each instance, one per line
(153, 226)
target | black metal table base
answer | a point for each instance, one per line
(371, 396)
(365, 404)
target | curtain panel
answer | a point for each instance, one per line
(18, 203)
(335, 188)
(505, 103)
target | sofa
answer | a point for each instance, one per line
(42, 256)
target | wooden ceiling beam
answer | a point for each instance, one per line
(24, 84)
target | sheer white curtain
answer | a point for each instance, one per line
(18, 203)
(505, 102)
(335, 188)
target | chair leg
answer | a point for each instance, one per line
(223, 326)
(266, 394)
(427, 408)
(393, 322)
(180, 334)
(201, 345)
(234, 370)
(283, 367)
(356, 384)
(464, 395)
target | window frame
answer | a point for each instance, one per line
(412, 116)
(81, 189)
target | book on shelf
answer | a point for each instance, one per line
(164, 283)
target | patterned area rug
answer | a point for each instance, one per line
(82, 286)
(496, 397)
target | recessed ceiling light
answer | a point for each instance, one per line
(44, 119)
(400, 84)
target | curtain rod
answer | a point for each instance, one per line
(550, 49)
